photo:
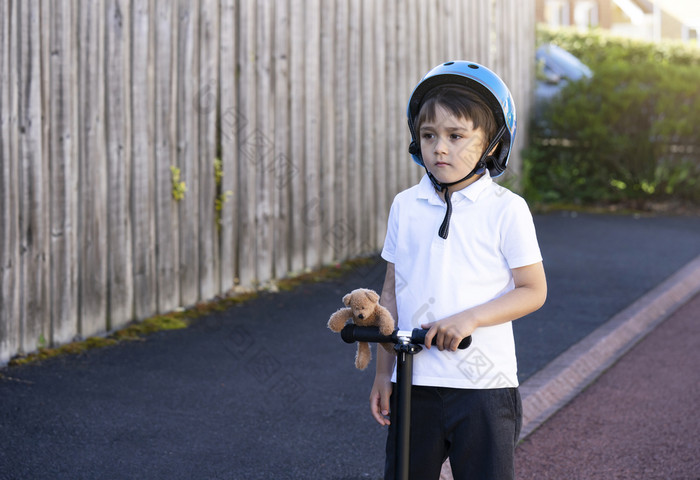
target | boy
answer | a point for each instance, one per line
(462, 259)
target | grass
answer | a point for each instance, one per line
(133, 332)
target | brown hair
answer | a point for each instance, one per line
(461, 102)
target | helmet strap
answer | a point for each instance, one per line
(492, 145)
(478, 169)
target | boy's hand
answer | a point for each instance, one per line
(379, 399)
(446, 334)
(528, 295)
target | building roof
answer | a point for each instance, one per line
(685, 11)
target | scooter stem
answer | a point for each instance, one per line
(404, 382)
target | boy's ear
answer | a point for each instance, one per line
(346, 300)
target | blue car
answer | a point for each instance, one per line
(555, 69)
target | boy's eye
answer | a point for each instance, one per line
(427, 135)
(455, 136)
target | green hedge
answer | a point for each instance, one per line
(631, 133)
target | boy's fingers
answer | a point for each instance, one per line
(436, 337)
(428, 336)
(375, 410)
(384, 404)
(380, 417)
(380, 409)
(440, 340)
(385, 415)
(377, 417)
(454, 344)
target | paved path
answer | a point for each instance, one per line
(639, 420)
(265, 391)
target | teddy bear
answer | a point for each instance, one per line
(364, 310)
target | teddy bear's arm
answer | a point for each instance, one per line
(386, 321)
(339, 318)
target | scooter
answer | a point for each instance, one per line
(408, 343)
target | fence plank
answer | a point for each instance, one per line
(33, 227)
(327, 139)
(118, 155)
(432, 36)
(228, 134)
(264, 140)
(283, 170)
(527, 30)
(523, 81)
(338, 231)
(398, 77)
(166, 211)
(93, 173)
(412, 73)
(187, 150)
(456, 19)
(365, 203)
(391, 84)
(13, 77)
(296, 120)
(422, 27)
(485, 35)
(312, 153)
(9, 208)
(380, 155)
(354, 176)
(64, 174)
(208, 81)
(468, 34)
(247, 247)
(142, 185)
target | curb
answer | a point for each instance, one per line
(566, 376)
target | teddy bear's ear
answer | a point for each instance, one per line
(372, 295)
(346, 300)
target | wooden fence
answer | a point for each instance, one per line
(285, 119)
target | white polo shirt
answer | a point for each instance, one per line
(491, 232)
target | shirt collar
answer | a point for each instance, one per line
(427, 191)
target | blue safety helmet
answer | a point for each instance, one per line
(490, 88)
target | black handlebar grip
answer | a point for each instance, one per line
(418, 336)
(353, 333)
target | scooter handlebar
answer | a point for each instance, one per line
(353, 333)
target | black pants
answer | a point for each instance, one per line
(477, 429)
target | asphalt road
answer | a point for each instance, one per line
(266, 391)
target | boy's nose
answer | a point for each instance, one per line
(440, 147)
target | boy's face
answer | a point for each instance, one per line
(451, 147)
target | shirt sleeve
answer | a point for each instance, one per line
(389, 250)
(519, 238)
